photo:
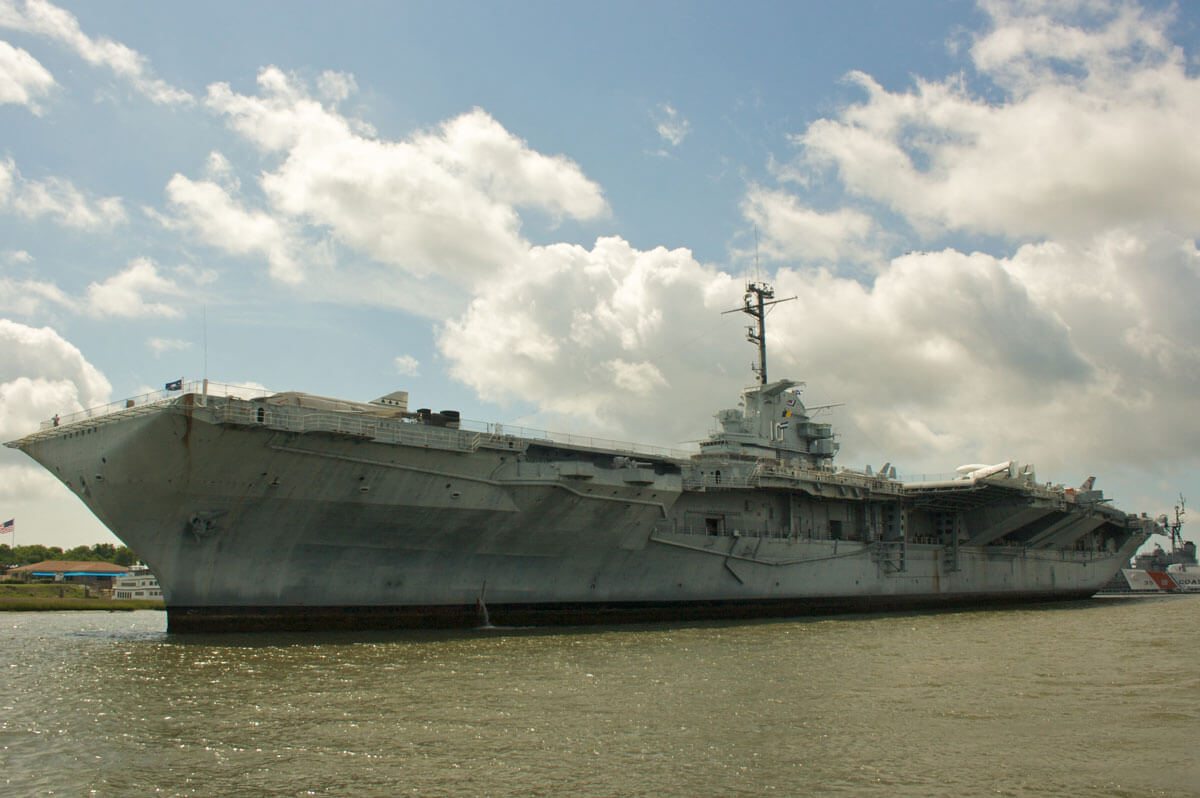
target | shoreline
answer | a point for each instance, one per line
(44, 604)
(43, 597)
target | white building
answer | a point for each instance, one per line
(138, 584)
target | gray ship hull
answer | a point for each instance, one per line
(257, 516)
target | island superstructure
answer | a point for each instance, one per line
(294, 511)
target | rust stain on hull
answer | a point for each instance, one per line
(189, 407)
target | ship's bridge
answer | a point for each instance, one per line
(772, 422)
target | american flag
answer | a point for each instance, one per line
(8, 526)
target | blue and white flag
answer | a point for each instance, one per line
(175, 385)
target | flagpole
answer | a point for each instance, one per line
(205, 313)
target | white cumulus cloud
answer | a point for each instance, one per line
(1073, 344)
(57, 24)
(58, 199)
(215, 215)
(140, 290)
(1077, 345)
(23, 81)
(42, 374)
(1108, 140)
(791, 230)
(441, 205)
(30, 297)
(1063, 354)
(407, 365)
(20, 482)
(611, 340)
(137, 291)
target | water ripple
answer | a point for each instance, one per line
(1087, 700)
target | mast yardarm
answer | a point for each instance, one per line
(759, 297)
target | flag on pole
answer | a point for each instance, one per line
(174, 385)
(8, 526)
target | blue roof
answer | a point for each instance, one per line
(80, 573)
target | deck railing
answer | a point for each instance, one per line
(307, 420)
(469, 436)
(504, 431)
(154, 398)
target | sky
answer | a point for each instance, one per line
(535, 213)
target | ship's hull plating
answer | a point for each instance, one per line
(255, 528)
(309, 618)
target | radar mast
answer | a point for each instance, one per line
(759, 296)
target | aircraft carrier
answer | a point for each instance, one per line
(293, 511)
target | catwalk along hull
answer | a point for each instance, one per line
(297, 512)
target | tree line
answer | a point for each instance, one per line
(100, 552)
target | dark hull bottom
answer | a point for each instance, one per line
(460, 616)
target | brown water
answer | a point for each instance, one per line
(1093, 699)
